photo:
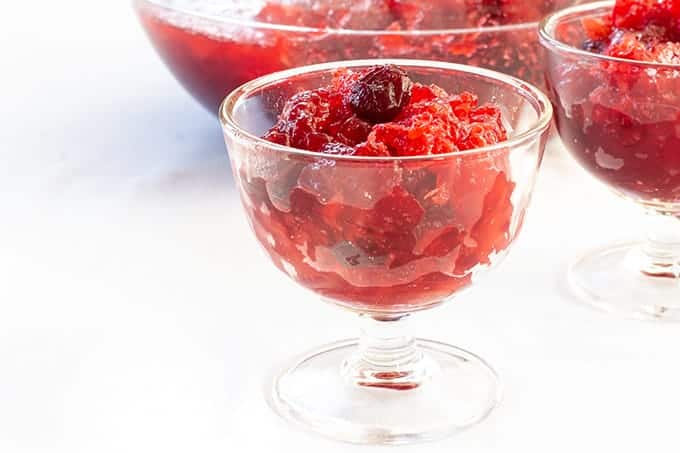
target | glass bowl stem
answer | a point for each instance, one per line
(660, 252)
(387, 356)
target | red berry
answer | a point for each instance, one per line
(380, 94)
(597, 29)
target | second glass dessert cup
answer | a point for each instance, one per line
(620, 119)
(384, 238)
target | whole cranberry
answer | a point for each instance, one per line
(380, 94)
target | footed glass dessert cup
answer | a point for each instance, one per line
(620, 119)
(386, 237)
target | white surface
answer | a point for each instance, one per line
(137, 313)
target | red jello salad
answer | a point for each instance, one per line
(211, 57)
(381, 112)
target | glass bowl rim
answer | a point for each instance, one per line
(336, 31)
(532, 94)
(547, 37)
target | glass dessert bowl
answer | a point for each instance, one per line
(619, 117)
(382, 235)
(213, 46)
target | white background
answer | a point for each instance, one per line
(137, 313)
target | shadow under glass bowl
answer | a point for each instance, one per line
(384, 238)
(214, 46)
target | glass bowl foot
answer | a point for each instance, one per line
(612, 279)
(457, 390)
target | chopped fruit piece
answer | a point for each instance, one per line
(597, 28)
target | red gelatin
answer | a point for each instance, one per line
(430, 122)
(621, 120)
(380, 236)
(211, 58)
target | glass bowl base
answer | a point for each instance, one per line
(459, 391)
(610, 279)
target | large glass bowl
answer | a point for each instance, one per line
(213, 46)
(620, 119)
(386, 237)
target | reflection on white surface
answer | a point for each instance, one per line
(138, 314)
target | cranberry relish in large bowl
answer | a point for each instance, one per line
(379, 192)
(213, 46)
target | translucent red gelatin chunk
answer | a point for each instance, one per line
(375, 234)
